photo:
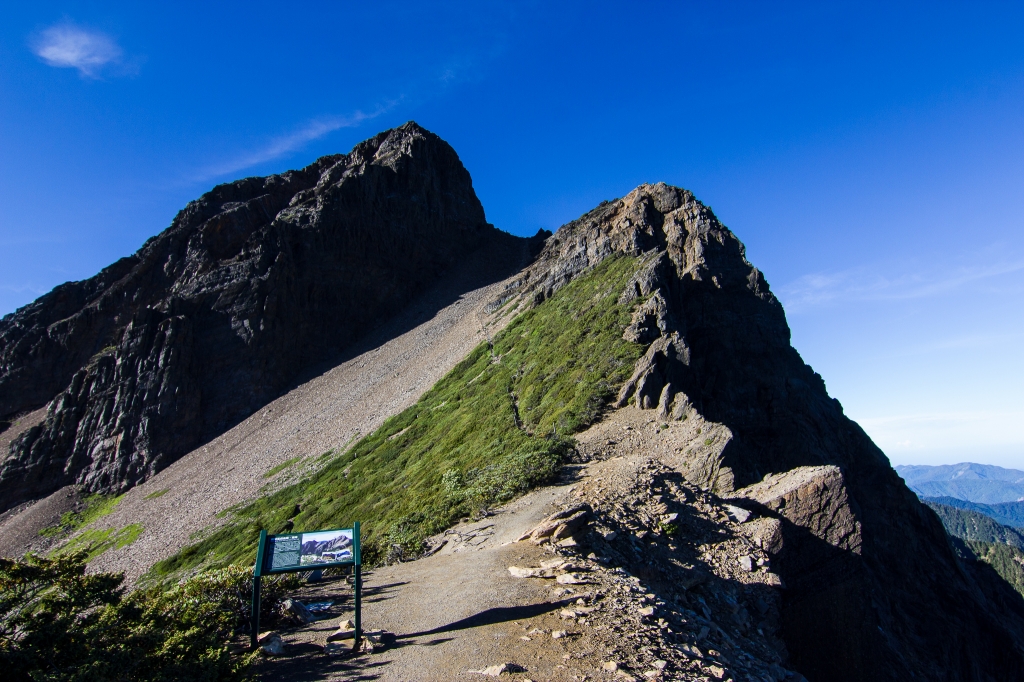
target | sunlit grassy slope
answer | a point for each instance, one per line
(496, 425)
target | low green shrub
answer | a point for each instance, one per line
(95, 506)
(58, 623)
(96, 541)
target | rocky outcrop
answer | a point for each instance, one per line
(874, 589)
(216, 315)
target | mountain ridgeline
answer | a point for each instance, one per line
(645, 303)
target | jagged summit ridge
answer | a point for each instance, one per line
(214, 316)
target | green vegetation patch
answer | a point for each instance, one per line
(96, 507)
(157, 493)
(281, 467)
(93, 542)
(498, 424)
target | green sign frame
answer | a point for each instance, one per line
(308, 551)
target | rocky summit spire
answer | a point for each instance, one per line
(214, 316)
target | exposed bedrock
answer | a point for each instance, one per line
(874, 590)
(216, 315)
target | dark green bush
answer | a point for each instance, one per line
(58, 623)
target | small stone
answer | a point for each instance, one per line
(716, 671)
(660, 665)
(271, 643)
(558, 634)
(518, 572)
(552, 563)
(651, 674)
(334, 649)
(568, 542)
(342, 633)
(298, 609)
(669, 518)
(610, 535)
(738, 514)
(525, 638)
(503, 669)
(567, 613)
(647, 611)
(747, 563)
(571, 579)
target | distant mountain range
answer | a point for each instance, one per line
(981, 483)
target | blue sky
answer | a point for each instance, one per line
(871, 156)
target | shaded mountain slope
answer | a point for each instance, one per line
(331, 409)
(212, 318)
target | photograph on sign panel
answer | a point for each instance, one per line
(326, 547)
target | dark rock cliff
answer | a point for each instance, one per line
(875, 591)
(213, 317)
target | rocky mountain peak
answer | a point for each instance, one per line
(211, 318)
(864, 561)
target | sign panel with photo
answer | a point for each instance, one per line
(317, 549)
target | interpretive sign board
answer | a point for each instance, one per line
(308, 551)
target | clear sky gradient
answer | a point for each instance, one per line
(871, 156)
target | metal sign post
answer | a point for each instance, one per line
(311, 550)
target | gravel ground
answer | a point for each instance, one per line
(642, 604)
(386, 373)
(20, 526)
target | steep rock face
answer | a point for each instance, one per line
(216, 315)
(865, 562)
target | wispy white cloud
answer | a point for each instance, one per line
(864, 284)
(285, 144)
(68, 46)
